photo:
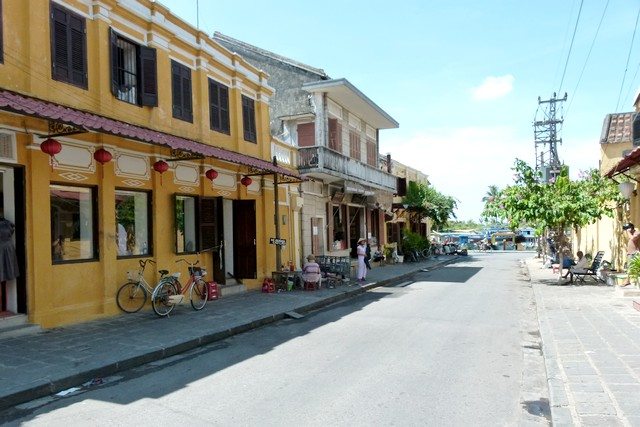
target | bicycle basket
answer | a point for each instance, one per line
(133, 276)
(196, 271)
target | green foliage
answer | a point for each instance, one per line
(463, 225)
(425, 201)
(555, 205)
(414, 241)
(633, 267)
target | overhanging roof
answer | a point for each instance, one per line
(349, 96)
(35, 107)
(626, 163)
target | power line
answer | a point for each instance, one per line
(628, 57)
(575, 29)
(593, 42)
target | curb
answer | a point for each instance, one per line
(55, 386)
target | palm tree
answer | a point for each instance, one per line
(492, 193)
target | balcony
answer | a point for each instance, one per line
(330, 165)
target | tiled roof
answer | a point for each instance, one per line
(617, 128)
(15, 102)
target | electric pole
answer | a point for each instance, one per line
(546, 134)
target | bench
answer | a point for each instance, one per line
(592, 271)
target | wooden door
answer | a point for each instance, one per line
(211, 234)
(244, 239)
(317, 225)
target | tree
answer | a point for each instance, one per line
(491, 194)
(556, 205)
(425, 201)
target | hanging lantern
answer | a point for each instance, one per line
(211, 174)
(246, 181)
(51, 147)
(161, 166)
(102, 156)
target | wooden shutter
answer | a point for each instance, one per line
(78, 52)
(224, 108)
(372, 152)
(181, 91)
(59, 43)
(354, 145)
(306, 135)
(113, 56)
(186, 94)
(176, 96)
(207, 221)
(249, 119)
(335, 135)
(148, 76)
(1, 39)
(219, 106)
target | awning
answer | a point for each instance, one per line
(628, 161)
(30, 106)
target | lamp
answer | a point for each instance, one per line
(627, 189)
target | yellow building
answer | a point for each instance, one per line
(127, 134)
(618, 161)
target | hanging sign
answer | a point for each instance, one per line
(277, 242)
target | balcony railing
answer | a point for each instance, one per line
(322, 160)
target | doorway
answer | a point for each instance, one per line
(244, 239)
(13, 299)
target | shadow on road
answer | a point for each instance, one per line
(449, 274)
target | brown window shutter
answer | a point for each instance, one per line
(249, 119)
(186, 94)
(306, 134)
(176, 90)
(59, 43)
(77, 36)
(224, 109)
(207, 221)
(354, 142)
(1, 39)
(219, 106)
(113, 54)
(149, 76)
(335, 135)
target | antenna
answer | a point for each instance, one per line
(546, 134)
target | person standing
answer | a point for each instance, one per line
(361, 251)
(8, 259)
(633, 245)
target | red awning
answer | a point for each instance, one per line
(30, 106)
(631, 159)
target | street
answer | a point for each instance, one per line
(451, 347)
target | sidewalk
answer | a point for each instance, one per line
(591, 344)
(37, 365)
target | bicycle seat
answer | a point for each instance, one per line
(163, 272)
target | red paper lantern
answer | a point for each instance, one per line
(246, 181)
(102, 156)
(51, 147)
(161, 166)
(211, 174)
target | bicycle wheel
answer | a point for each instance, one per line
(199, 294)
(131, 297)
(161, 301)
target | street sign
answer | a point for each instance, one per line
(277, 242)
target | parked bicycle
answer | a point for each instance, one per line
(132, 296)
(170, 292)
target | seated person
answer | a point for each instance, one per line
(580, 266)
(311, 271)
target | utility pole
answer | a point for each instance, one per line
(546, 134)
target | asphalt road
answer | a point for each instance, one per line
(445, 349)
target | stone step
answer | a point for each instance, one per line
(231, 289)
(17, 325)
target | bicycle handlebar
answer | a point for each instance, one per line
(189, 263)
(143, 262)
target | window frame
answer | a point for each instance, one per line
(71, 48)
(1, 35)
(249, 119)
(219, 107)
(182, 105)
(149, 204)
(146, 74)
(94, 226)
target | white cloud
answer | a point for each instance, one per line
(463, 162)
(493, 88)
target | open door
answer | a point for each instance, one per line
(244, 239)
(212, 234)
(14, 295)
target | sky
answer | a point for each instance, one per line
(461, 77)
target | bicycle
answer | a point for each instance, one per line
(132, 296)
(170, 291)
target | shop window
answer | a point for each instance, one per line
(133, 72)
(219, 106)
(181, 92)
(249, 119)
(73, 223)
(68, 46)
(133, 223)
(195, 223)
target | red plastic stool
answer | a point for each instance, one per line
(310, 286)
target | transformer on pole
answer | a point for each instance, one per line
(546, 134)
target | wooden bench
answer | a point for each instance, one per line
(592, 271)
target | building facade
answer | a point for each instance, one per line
(127, 134)
(335, 128)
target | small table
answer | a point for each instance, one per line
(281, 279)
